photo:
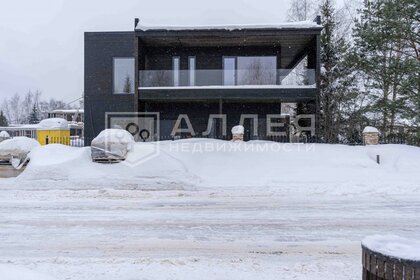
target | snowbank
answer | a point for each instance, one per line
(17, 147)
(13, 272)
(206, 163)
(370, 129)
(394, 246)
(53, 124)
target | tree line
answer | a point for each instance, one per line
(370, 66)
(28, 108)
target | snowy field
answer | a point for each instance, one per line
(206, 209)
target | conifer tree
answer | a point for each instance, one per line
(386, 52)
(33, 117)
(127, 85)
(3, 119)
(338, 89)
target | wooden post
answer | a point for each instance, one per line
(378, 159)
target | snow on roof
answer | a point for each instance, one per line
(230, 27)
(370, 129)
(53, 124)
(394, 246)
(68, 111)
(14, 127)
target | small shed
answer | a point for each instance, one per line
(371, 135)
(53, 131)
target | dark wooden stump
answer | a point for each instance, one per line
(377, 266)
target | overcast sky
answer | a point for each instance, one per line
(41, 42)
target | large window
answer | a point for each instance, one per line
(257, 70)
(250, 70)
(123, 75)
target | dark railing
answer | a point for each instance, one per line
(390, 139)
(226, 78)
(69, 141)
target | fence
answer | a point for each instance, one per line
(75, 141)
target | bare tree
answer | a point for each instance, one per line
(301, 10)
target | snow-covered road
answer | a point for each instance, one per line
(197, 234)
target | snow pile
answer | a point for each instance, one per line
(53, 124)
(231, 27)
(370, 129)
(112, 142)
(4, 134)
(114, 136)
(207, 163)
(17, 147)
(239, 129)
(13, 272)
(394, 246)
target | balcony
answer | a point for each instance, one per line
(249, 78)
(288, 85)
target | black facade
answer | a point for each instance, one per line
(163, 74)
(100, 49)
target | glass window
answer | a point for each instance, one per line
(257, 70)
(123, 75)
(229, 71)
(176, 67)
(191, 72)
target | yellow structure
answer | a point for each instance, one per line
(53, 131)
(54, 137)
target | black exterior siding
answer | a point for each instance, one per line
(100, 49)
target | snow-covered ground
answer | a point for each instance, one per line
(206, 209)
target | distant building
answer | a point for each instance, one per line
(70, 115)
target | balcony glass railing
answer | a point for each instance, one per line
(226, 78)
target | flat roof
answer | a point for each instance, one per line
(230, 27)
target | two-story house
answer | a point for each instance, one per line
(211, 74)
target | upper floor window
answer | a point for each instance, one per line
(176, 66)
(250, 70)
(191, 72)
(124, 75)
(257, 70)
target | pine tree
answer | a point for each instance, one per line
(339, 95)
(127, 85)
(3, 119)
(33, 117)
(382, 38)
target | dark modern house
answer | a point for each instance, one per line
(245, 73)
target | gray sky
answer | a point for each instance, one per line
(41, 42)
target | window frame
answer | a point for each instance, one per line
(178, 71)
(235, 58)
(192, 71)
(113, 74)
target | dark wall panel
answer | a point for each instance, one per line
(100, 49)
